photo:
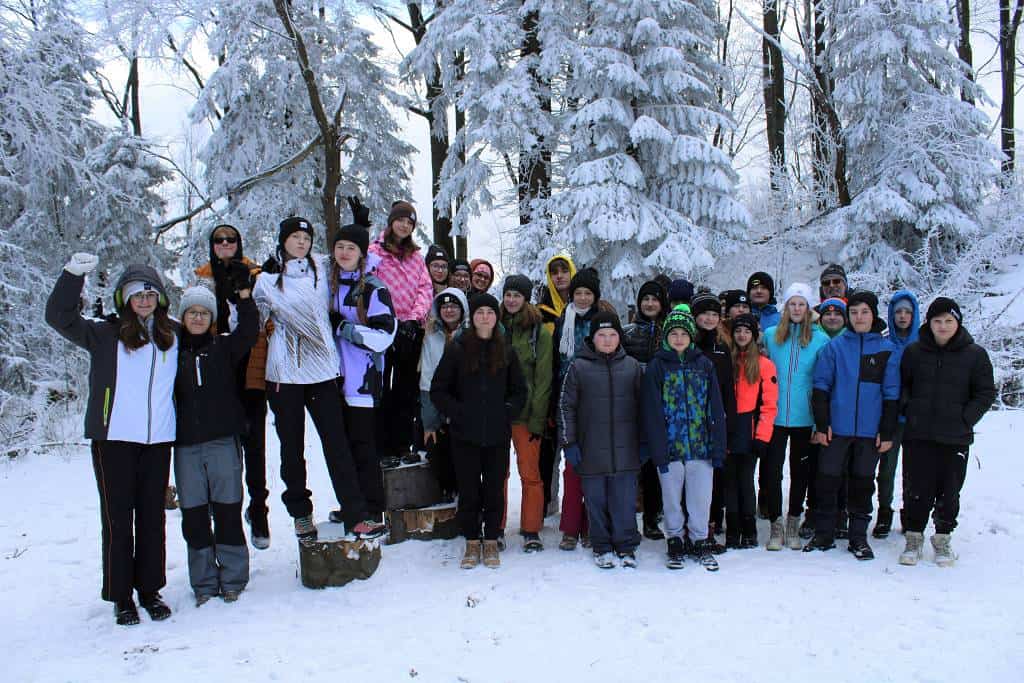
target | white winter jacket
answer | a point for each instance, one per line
(301, 348)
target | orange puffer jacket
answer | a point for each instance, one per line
(746, 397)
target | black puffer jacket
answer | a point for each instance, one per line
(945, 391)
(599, 409)
(641, 339)
(206, 390)
(481, 406)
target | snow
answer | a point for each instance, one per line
(549, 616)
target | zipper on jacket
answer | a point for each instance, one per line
(106, 407)
(199, 373)
(611, 412)
(794, 354)
(856, 402)
(149, 396)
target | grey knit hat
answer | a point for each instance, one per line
(198, 295)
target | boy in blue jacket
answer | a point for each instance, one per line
(856, 405)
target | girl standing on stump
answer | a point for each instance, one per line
(211, 418)
(130, 419)
(302, 373)
(478, 385)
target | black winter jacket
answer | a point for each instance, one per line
(206, 388)
(945, 391)
(480, 406)
(599, 410)
(641, 339)
(721, 357)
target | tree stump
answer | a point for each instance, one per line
(424, 524)
(410, 486)
(334, 559)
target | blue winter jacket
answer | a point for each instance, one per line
(795, 365)
(901, 343)
(683, 417)
(767, 315)
(857, 385)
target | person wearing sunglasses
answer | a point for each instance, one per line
(226, 273)
(833, 282)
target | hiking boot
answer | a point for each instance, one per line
(628, 560)
(492, 560)
(819, 542)
(259, 528)
(775, 536)
(155, 605)
(532, 543)
(471, 558)
(703, 555)
(125, 613)
(653, 532)
(944, 555)
(604, 560)
(369, 528)
(883, 525)
(843, 525)
(567, 543)
(230, 596)
(305, 530)
(793, 533)
(676, 554)
(860, 549)
(913, 552)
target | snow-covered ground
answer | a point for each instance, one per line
(765, 616)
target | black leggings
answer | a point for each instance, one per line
(481, 471)
(738, 492)
(254, 447)
(360, 427)
(801, 456)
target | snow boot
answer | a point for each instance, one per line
(202, 600)
(860, 549)
(471, 558)
(230, 596)
(913, 552)
(807, 528)
(628, 560)
(369, 528)
(604, 560)
(125, 613)
(653, 532)
(703, 555)
(305, 530)
(819, 542)
(883, 525)
(944, 555)
(843, 525)
(492, 560)
(259, 528)
(567, 543)
(676, 554)
(532, 543)
(776, 536)
(155, 605)
(793, 532)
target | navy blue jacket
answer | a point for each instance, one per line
(857, 385)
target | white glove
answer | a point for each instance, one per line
(82, 263)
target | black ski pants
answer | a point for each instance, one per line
(738, 492)
(360, 427)
(254, 448)
(481, 472)
(858, 457)
(933, 475)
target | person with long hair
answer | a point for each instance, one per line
(130, 419)
(478, 385)
(531, 343)
(757, 395)
(364, 327)
(302, 375)
(793, 346)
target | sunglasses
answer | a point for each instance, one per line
(225, 240)
(832, 283)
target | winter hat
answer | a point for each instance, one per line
(460, 265)
(357, 234)
(903, 304)
(476, 263)
(446, 297)
(704, 303)
(863, 296)
(481, 300)
(238, 242)
(518, 283)
(834, 303)
(833, 270)
(801, 289)
(680, 290)
(291, 225)
(765, 280)
(588, 279)
(746, 320)
(136, 286)
(944, 305)
(604, 320)
(402, 209)
(652, 288)
(678, 318)
(436, 253)
(198, 296)
(735, 296)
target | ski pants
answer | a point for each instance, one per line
(933, 475)
(481, 471)
(254, 446)
(858, 457)
(611, 511)
(740, 500)
(361, 430)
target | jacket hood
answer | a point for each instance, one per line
(435, 307)
(588, 351)
(915, 321)
(557, 305)
(139, 272)
(238, 254)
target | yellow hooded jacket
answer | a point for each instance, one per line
(551, 305)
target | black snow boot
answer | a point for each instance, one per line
(125, 612)
(155, 605)
(819, 542)
(676, 554)
(652, 531)
(703, 555)
(860, 549)
(883, 525)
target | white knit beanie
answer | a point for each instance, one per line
(800, 289)
(198, 296)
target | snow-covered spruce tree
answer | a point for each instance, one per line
(645, 189)
(273, 109)
(919, 160)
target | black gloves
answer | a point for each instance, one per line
(271, 266)
(238, 273)
(336, 320)
(360, 213)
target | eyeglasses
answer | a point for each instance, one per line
(224, 240)
(198, 315)
(482, 275)
(439, 266)
(451, 306)
(139, 297)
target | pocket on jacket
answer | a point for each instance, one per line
(872, 367)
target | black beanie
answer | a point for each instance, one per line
(863, 296)
(746, 320)
(764, 279)
(653, 288)
(518, 283)
(605, 320)
(436, 253)
(358, 234)
(586, 277)
(944, 305)
(833, 270)
(733, 297)
(704, 302)
(482, 299)
(291, 225)
(460, 265)
(680, 290)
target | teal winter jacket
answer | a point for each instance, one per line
(795, 365)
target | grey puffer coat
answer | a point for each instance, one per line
(599, 410)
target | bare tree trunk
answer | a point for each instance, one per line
(774, 87)
(1009, 22)
(963, 45)
(461, 243)
(133, 90)
(534, 180)
(828, 144)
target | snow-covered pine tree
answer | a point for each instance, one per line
(919, 160)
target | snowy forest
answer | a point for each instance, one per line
(698, 138)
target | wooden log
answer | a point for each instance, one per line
(423, 524)
(334, 559)
(410, 486)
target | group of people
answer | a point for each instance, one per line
(396, 354)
